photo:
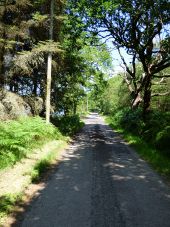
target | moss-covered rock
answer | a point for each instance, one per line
(36, 104)
(12, 106)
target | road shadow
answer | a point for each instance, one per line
(101, 182)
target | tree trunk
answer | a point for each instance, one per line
(2, 52)
(147, 96)
(136, 101)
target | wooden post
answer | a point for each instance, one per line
(49, 66)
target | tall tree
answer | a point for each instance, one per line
(133, 25)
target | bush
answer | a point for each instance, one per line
(132, 121)
(149, 130)
(163, 140)
(150, 138)
(68, 125)
(18, 137)
(155, 123)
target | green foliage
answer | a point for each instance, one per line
(133, 25)
(39, 17)
(154, 130)
(20, 136)
(106, 95)
(98, 56)
(163, 140)
(112, 96)
(27, 61)
(132, 121)
(157, 158)
(40, 168)
(7, 203)
(161, 86)
(68, 125)
(43, 165)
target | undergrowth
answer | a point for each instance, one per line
(42, 165)
(8, 202)
(19, 137)
(68, 125)
(151, 138)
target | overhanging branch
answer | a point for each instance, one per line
(166, 75)
(160, 94)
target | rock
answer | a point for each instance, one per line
(12, 105)
(2, 111)
(36, 104)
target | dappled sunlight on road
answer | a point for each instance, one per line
(101, 182)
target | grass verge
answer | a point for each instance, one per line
(9, 201)
(7, 204)
(42, 166)
(18, 140)
(159, 161)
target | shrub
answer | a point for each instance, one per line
(155, 123)
(68, 125)
(132, 121)
(152, 130)
(154, 142)
(163, 140)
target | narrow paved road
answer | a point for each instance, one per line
(101, 183)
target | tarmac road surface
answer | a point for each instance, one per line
(101, 183)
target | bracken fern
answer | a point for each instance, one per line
(18, 137)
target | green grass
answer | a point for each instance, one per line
(19, 137)
(42, 166)
(7, 204)
(39, 169)
(17, 140)
(159, 161)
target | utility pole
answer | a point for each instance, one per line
(49, 64)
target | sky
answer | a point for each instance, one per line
(116, 57)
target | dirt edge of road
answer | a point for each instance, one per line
(20, 174)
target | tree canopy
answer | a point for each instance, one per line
(79, 55)
(136, 26)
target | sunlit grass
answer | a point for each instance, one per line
(42, 166)
(8, 201)
(19, 137)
